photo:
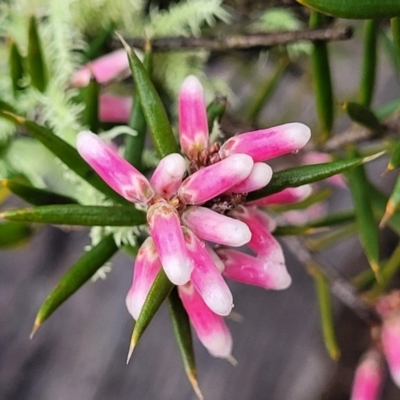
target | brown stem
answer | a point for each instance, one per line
(241, 42)
(340, 288)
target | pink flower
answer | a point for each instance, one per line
(103, 69)
(389, 309)
(368, 377)
(209, 205)
(210, 327)
(147, 265)
(114, 108)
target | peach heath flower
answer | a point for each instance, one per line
(195, 220)
(388, 307)
(368, 378)
(114, 108)
(103, 69)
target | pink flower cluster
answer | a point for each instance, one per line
(370, 372)
(198, 216)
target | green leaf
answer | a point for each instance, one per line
(37, 197)
(66, 153)
(363, 115)
(215, 111)
(331, 238)
(368, 75)
(367, 226)
(183, 335)
(394, 159)
(75, 277)
(152, 107)
(134, 145)
(4, 106)
(322, 82)
(264, 90)
(79, 215)
(97, 46)
(316, 225)
(295, 177)
(387, 109)
(325, 309)
(379, 201)
(355, 9)
(395, 25)
(90, 115)
(14, 233)
(35, 59)
(393, 203)
(158, 293)
(16, 63)
(389, 270)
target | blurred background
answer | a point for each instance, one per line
(80, 353)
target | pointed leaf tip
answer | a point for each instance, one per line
(36, 326)
(195, 385)
(390, 210)
(130, 352)
(126, 45)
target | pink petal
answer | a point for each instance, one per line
(215, 179)
(168, 175)
(104, 69)
(114, 108)
(214, 256)
(262, 242)
(147, 266)
(165, 229)
(268, 143)
(210, 327)
(113, 169)
(259, 177)
(193, 125)
(206, 277)
(255, 271)
(368, 377)
(214, 227)
(391, 346)
(286, 196)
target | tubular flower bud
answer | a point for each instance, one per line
(215, 179)
(269, 143)
(210, 327)
(103, 69)
(262, 242)
(389, 309)
(206, 277)
(166, 231)
(217, 228)
(368, 377)
(214, 256)
(168, 175)
(259, 177)
(114, 108)
(147, 266)
(286, 196)
(193, 125)
(255, 271)
(114, 170)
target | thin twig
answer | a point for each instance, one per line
(240, 42)
(341, 288)
(357, 133)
